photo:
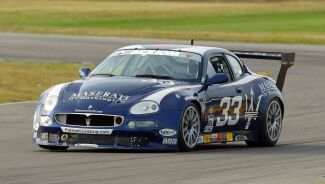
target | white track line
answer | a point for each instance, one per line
(13, 103)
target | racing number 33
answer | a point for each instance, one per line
(226, 118)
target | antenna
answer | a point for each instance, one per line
(192, 42)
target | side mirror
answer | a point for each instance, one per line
(84, 72)
(218, 78)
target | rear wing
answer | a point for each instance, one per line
(287, 60)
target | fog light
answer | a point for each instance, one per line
(64, 137)
(118, 120)
(45, 137)
(45, 121)
(131, 124)
(141, 124)
(144, 123)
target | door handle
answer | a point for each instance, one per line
(239, 90)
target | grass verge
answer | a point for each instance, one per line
(23, 81)
(261, 21)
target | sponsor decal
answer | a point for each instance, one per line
(89, 111)
(99, 95)
(241, 138)
(267, 86)
(86, 131)
(229, 137)
(210, 120)
(200, 139)
(207, 138)
(167, 132)
(251, 112)
(226, 119)
(211, 110)
(221, 137)
(155, 52)
(171, 141)
(214, 137)
(208, 128)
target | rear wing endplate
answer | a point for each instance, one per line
(287, 60)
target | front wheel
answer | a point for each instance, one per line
(272, 125)
(189, 128)
(54, 148)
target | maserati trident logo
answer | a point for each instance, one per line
(88, 121)
(89, 107)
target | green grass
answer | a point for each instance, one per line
(263, 21)
(23, 81)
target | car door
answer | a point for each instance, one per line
(248, 86)
(224, 109)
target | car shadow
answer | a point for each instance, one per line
(234, 148)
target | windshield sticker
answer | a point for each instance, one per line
(146, 52)
(155, 52)
(99, 95)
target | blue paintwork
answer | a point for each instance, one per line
(171, 106)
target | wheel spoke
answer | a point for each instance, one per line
(187, 117)
(190, 126)
(195, 131)
(274, 109)
(277, 112)
(278, 118)
(193, 138)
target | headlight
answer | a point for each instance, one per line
(52, 98)
(144, 107)
(50, 103)
(37, 117)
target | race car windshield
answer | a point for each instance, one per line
(164, 64)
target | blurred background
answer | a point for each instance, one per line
(27, 52)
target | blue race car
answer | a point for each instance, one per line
(164, 97)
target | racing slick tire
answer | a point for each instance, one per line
(189, 129)
(271, 127)
(54, 148)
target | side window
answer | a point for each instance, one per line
(236, 67)
(219, 65)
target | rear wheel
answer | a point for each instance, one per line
(189, 128)
(54, 148)
(272, 125)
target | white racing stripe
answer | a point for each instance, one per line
(55, 90)
(158, 96)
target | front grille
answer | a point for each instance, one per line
(89, 120)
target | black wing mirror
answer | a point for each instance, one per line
(84, 72)
(218, 78)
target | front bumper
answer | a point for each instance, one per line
(121, 137)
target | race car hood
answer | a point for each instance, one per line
(103, 93)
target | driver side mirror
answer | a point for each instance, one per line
(218, 78)
(84, 72)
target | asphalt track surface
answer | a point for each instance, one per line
(299, 156)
